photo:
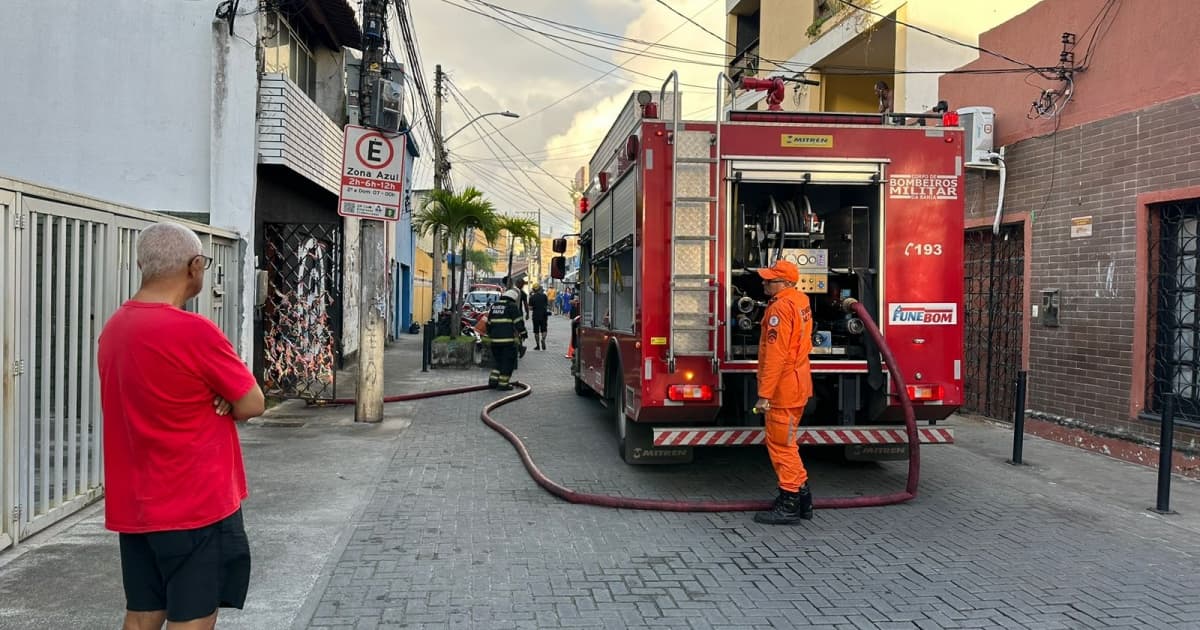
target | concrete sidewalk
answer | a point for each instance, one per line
(309, 470)
(428, 520)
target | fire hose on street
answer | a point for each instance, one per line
(664, 505)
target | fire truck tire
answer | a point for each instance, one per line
(620, 421)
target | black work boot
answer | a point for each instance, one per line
(789, 508)
(806, 508)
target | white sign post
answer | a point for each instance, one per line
(372, 175)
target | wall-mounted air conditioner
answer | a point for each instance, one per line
(978, 125)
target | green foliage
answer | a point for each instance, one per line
(814, 29)
(481, 260)
(521, 229)
(458, 339)
(455, 213)
(451, 216)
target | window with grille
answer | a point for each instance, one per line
(285, 51)
(1173, 342)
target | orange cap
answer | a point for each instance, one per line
(782, 270)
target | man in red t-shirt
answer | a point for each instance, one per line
(173, 475)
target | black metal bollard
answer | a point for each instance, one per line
(1019, 418)
(1166, 443)
(427, 346)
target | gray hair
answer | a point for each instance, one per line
(166, 248)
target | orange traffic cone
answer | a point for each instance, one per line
(570, 351)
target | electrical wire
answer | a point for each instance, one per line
(464, 103)
(589, 56)
(592, 82)
(513, 193)
(404, 17)
(608, 47)
(594, 34)
(940, 36)
(1099, 23)
(697, 24)
(456, 89)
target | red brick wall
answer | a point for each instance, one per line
(1083, 369)
(1143, 58)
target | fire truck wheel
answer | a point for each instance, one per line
(620, 420)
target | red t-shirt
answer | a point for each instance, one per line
(170, 462)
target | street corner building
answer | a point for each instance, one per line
(227, 119)
(1086, 275)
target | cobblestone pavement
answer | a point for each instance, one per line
(457, 536)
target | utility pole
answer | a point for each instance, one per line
(539, 247)
(372, 254)
(439, 174)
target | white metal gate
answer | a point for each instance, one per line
(10, 367)
(66, 265)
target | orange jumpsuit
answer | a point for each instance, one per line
(784, 380)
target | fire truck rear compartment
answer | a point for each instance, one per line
(831, 232)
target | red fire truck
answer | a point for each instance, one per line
(680, 214)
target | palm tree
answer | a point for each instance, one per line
(455, 214)
(519, 229)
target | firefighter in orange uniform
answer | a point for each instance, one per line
(784, 387)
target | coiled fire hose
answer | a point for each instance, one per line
(665, 505)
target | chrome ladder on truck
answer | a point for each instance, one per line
(694, 288)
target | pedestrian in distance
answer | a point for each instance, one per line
(505, 329)
(171, 389)
(573, 308)
(539, 306)
(520, 284)
(552, 297)
(784, 387)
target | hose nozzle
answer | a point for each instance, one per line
(848, 304)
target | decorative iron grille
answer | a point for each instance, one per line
(1173, 331)
(993, 307)
(303, 311)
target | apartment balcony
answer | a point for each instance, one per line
(745, 64)
(294, 132)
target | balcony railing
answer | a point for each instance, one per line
(745, 64)
(294, 132)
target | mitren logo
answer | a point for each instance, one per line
(923, 187)
(909, 314)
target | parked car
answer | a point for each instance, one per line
(480, 301)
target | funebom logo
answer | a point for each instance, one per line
(911, 314)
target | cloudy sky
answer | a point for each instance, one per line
(494, 67)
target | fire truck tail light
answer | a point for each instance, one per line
(950, 119)
(680, 393)
(924, 392)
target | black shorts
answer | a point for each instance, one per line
(189, 573)
(539, 323)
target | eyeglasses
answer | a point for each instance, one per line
(207, 260)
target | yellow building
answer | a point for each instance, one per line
(849, 48)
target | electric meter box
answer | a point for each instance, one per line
(979, 129)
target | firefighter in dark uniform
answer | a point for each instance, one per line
(505, 328)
